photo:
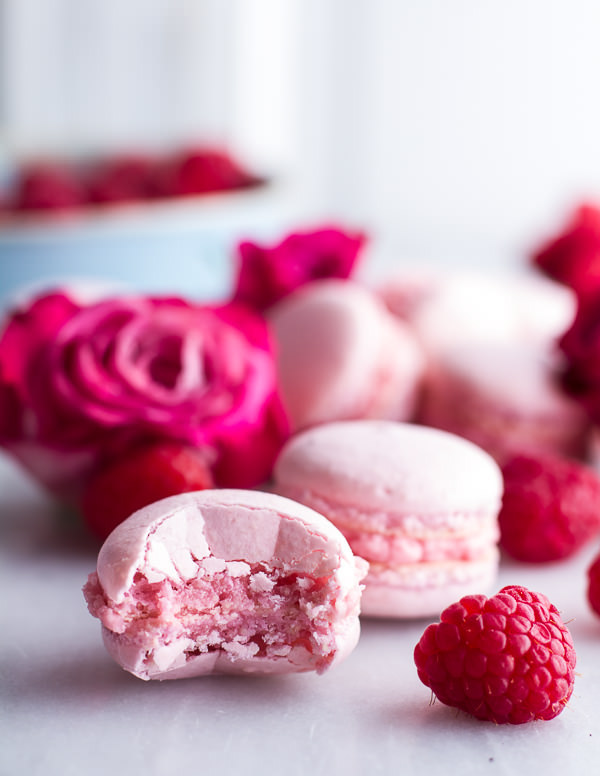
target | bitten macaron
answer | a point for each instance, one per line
(226, 581)
(419, 504)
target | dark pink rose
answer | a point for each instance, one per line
(573, 256)
(267, 274)
(82, 384)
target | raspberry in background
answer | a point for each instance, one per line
(200, 171)
(145, 475)
(47, 186)
(121, 179)
(508, 658)
(550, 507)
(593, 591)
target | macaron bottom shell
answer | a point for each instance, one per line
(419, 590)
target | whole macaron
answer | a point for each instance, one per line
(505, 398)
(341, 355)
(502, 307)
(419, 504)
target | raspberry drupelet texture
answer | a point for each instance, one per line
(507, 659)
(550, 507)
(593, 591)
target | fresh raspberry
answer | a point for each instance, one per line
(122, 179)
(593, 591)
(507, 659)
(200, 171)
(550, 507)
(47, 186)
(145, 475)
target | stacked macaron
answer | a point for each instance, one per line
(492, 362)
(419, 504)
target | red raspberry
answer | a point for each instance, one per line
(123, 179)
(145, 475)
(550, 508)
(201, 171)
(47, 186)
(593, 591)
(508, 658)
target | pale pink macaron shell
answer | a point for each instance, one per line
(229, 529)
(450, 308)
(342, 355)
(505, 398)
(408, 288)
(429, 497)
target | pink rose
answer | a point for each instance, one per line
(266, 275)
(82, 384)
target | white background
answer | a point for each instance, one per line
(445, 127)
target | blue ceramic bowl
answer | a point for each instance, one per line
(184, 246)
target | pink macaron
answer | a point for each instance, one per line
(419, 504)
(408, 288)
(447, 308)
(506, 399)
(226, 581)
(342, 355)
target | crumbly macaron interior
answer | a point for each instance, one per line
(245, 610)
(396, 538)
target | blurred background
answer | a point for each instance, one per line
(451, 132)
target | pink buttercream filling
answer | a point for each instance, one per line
(394, 548)
(245, 610)
(398, 538)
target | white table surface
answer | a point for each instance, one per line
(66, 708)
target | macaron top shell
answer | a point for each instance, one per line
(338, 347)
(396, 468)
(502, 308)
(516, 378)
(167, 537)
